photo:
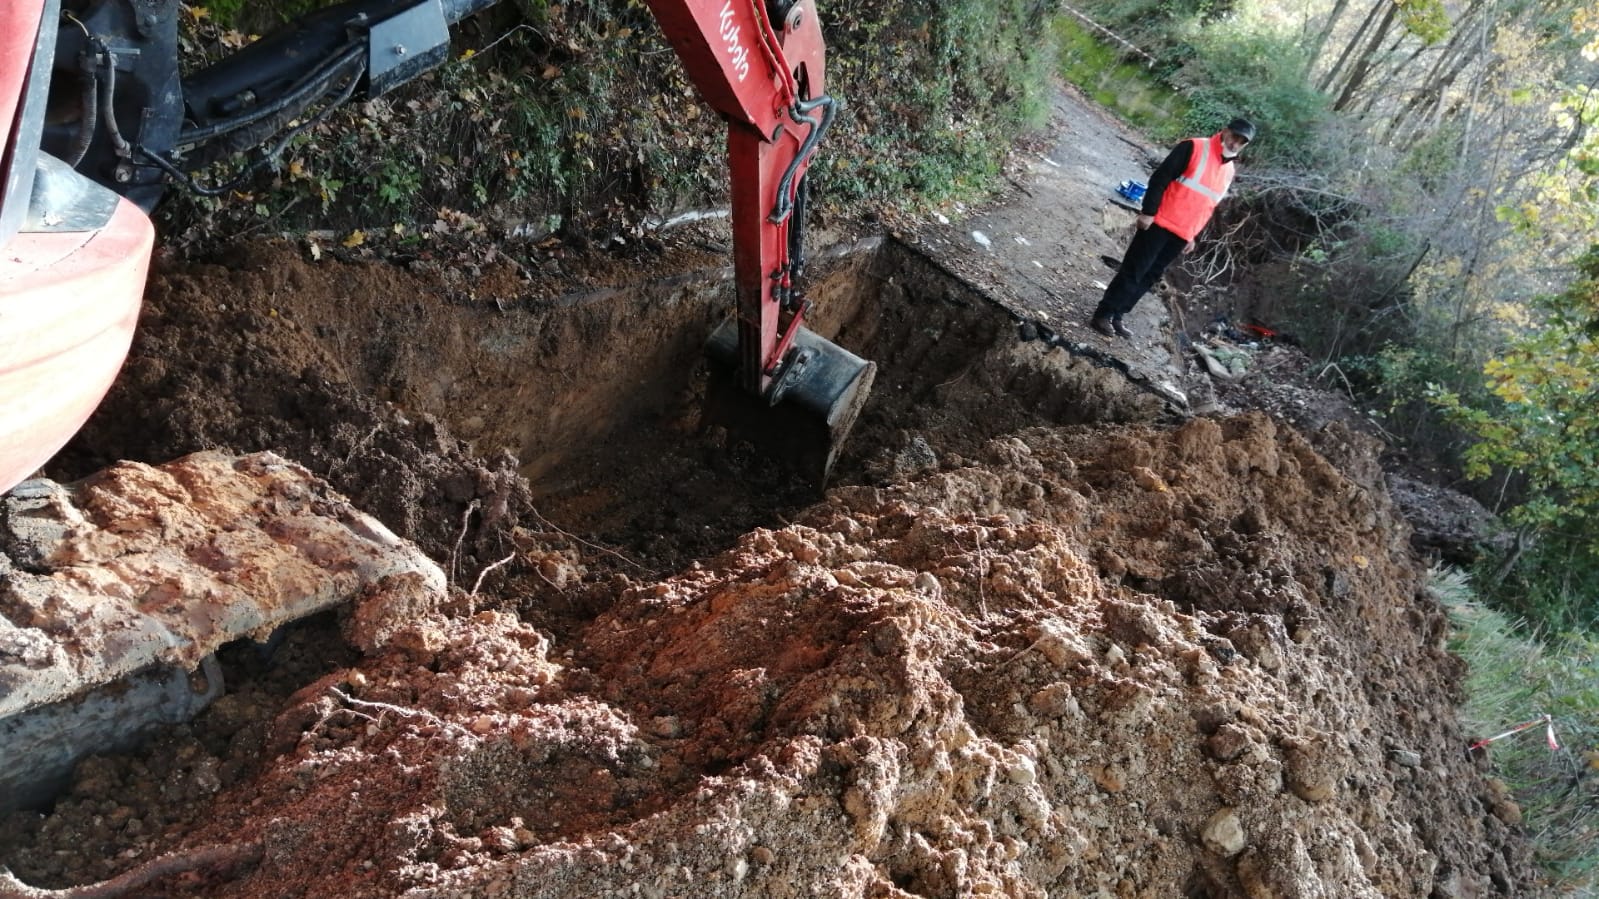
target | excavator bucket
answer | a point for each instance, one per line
(804, 418)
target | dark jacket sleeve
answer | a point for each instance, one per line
(1176, 163)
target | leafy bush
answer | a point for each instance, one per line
(1543, 420)
(1131, 89)
(579, 113)
(933, 120)
(1240, 69)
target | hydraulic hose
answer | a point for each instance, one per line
(801, 112)
(88, 108)
(267, 155)
(301, 96)
(108, 92)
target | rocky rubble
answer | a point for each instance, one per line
(1111, 662)
(144, 572)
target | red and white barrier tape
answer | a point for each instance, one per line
(1547, 721)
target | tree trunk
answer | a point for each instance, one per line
(1321, 39)
(1329, 77)
(1383, 81)
(1456, 56)
(1362, 66)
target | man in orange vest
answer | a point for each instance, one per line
(1182, 194)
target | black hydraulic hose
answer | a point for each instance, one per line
(88, 108)
(802, 111)
(267, 155)
(311, 87)
(796, 229)
(108, 92)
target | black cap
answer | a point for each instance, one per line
(1243, 128)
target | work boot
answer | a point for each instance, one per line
(1102, 324)
(1117, 326)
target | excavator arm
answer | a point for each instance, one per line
(762, 65)
(753, 75)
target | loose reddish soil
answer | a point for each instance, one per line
(1049, 633)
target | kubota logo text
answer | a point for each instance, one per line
(740, 56)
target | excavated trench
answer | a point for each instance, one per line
(624, 454)
(416, 389)
(597, 395)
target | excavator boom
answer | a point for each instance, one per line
(762, 65)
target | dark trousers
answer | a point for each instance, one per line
(1152, 249)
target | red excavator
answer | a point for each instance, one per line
(99, 122)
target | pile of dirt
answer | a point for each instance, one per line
(1134, 662)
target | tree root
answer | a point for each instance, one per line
(227, 855)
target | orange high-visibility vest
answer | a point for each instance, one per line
(1189, 200)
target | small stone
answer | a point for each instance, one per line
(1115, 656)
(1061, 650)
(1224, 833)
(1405, 758)
(1227, 743)
(1110, 778)
(501, 839)
(1313, 766)
(1054, 701)
(1022, 772)
(1148, 479)
(761, 855)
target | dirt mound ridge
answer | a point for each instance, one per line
(1125, 662)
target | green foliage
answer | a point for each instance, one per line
(255, 17)
(1131, 90)
(1426, 19)
(931, 121)
(1238, 68)
(1395, 381)
(1544, 421)
(1515, 677)
(579, 112)
(1551, 584)
(1563, 199)
(1432, 160)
